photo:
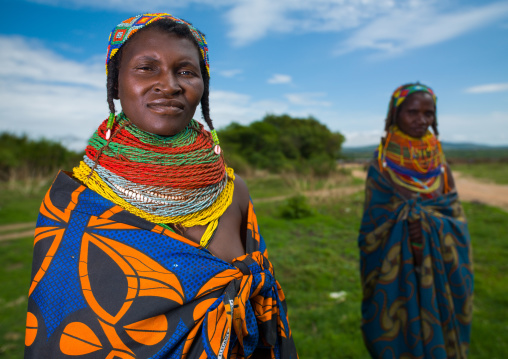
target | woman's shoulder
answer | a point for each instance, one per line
(241, 193)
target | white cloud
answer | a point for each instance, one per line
(363, 138)
(364, 128)
(489, 128)
(227, 107)
(44, 94)
(230, 73)
(58, 112)
(27, 59)
(389, 26)
(279, 79)
(253, 20)
(308, 99)
(131, 5)
(499, 87)
(421, 25)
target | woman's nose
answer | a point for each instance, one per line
(168, 83)
(422, 118)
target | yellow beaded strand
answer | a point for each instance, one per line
(200, 218)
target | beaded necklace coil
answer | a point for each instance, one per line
(176, 180)
(413, 163)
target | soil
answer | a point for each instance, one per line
(474, 190)
(470, 189)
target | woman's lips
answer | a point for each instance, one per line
(166, 107)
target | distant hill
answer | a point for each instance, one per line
(456, 152)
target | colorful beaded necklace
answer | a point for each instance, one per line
(413, 163)
(178, 179)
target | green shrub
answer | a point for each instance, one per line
(22, 158)
(284, 144)
(296, 207)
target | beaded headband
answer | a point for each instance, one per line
(401, 93)
(123, 31)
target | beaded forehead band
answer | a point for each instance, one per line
(401, 93)
(123, 31)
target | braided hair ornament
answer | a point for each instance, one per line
(123, 31)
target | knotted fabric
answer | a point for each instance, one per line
(411, 311)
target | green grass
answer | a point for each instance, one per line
(313, 257)
(20, 201)
(488, 227)
(16, 259)
(311, 261)
(496, 172)
(288, 184)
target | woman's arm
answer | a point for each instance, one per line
(242, 201)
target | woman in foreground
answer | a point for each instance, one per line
(416, 264)
(150, 248)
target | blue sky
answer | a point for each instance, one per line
(337, 60)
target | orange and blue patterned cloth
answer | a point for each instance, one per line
(108, 284)
(409, 311)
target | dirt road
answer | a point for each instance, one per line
(470, 189)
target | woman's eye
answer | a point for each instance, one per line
(144, 68)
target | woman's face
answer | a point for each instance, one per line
(160, 82)
(416, 114)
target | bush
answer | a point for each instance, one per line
(284, 144)
(22, 158)
(296, 207)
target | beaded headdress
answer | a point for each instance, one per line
(402, 92)
(123, 31)
(400, 95)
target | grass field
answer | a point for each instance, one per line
(313, 258)
(496, 172)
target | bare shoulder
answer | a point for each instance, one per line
(241, 194)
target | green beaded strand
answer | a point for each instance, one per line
(109, 126)
(216, 148)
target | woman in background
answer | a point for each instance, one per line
(151, 248)
(416, 264)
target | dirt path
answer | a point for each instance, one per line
(470, 189)
(474, 190)
(17, 230)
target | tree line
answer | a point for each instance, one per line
(21, 157)
(275, 143)
(281, 143)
